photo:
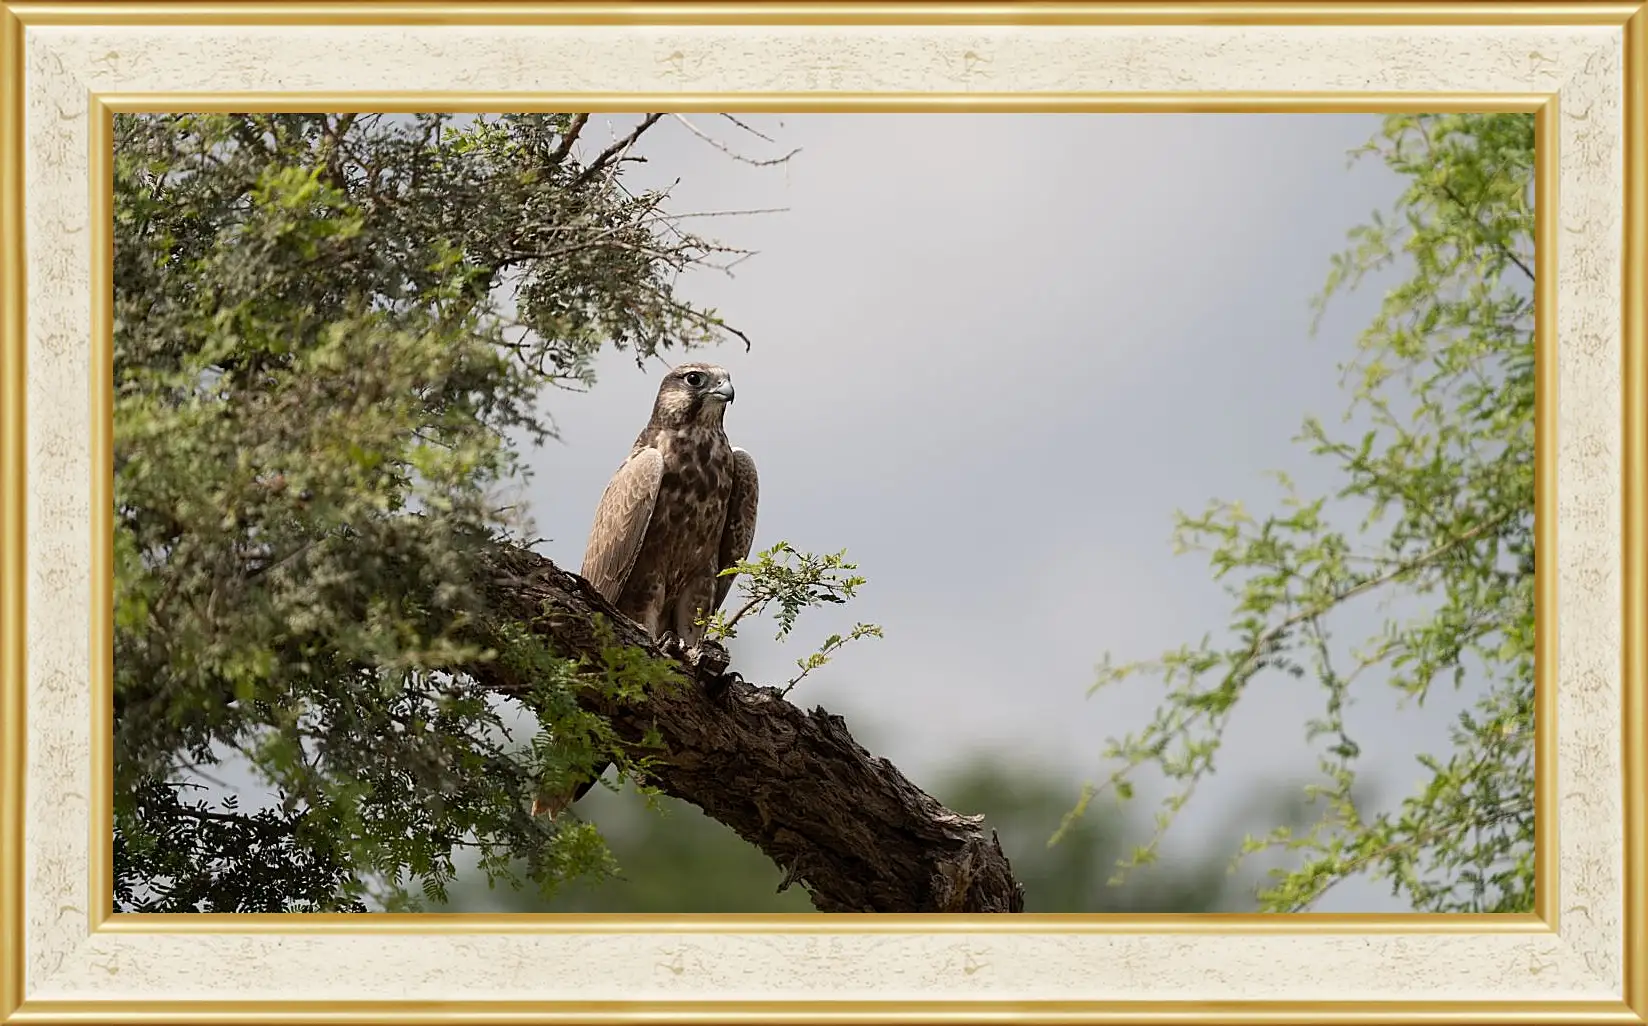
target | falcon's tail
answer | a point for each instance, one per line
(553, 805)
(550, 806)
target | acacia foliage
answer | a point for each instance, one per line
(1439, 471)
(329, 332)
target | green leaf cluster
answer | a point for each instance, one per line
(784, 580)
(1436, 471)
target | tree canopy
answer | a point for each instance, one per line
(683, 861)
(1435, 506)
(316, 386)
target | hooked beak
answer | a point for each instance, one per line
(723, 391)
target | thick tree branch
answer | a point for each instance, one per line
(847, 825)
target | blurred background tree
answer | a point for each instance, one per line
(676, 859)
(1437, 472)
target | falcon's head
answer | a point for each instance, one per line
(694, 393)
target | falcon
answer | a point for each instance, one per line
(679, 511)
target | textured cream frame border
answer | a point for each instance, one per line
(724, 968)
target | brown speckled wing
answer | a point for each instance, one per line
(739, 532)
(621, 523)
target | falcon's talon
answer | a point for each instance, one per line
(670, 645)
(721, 684)
(709, 658)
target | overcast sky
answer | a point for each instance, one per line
(992, 355)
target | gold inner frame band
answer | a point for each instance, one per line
(101, 916)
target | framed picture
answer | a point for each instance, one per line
(313, 315)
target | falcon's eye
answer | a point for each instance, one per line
(693, 379)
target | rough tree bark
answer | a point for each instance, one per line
(852, 829)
